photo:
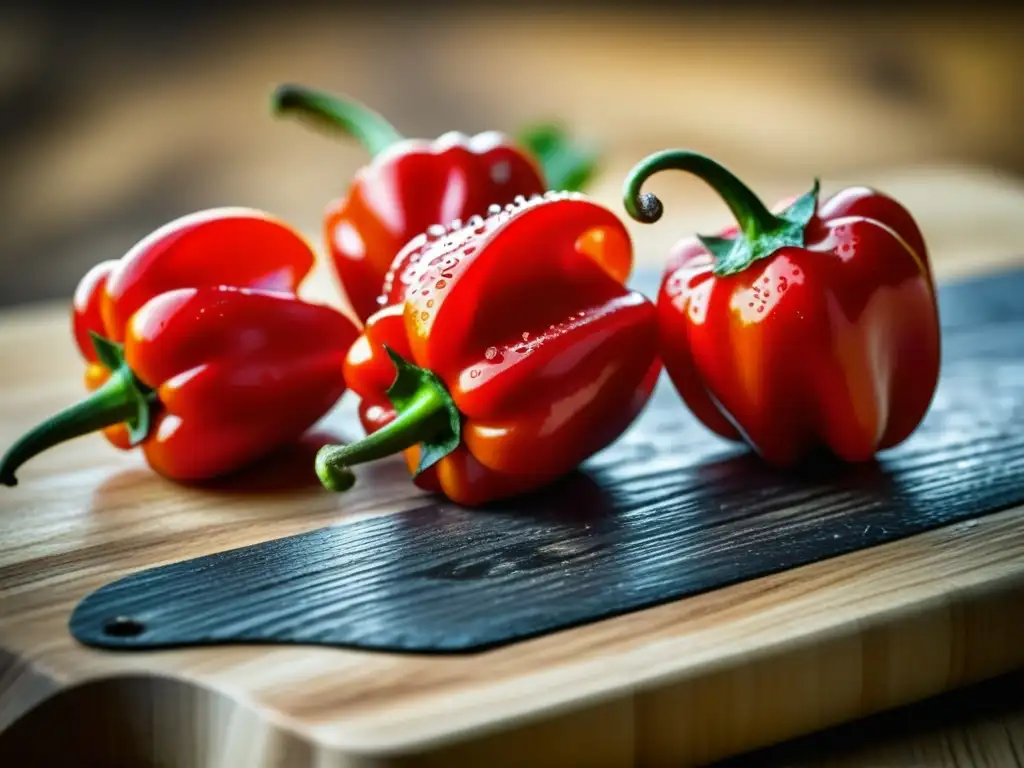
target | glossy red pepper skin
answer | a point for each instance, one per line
(207, 319)
(832, 342)
(525, 317)
(412, 184)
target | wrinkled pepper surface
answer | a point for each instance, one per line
(412, 184)
(508, 350)
(812, 327)
(198, 350)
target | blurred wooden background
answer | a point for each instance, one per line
(112, 124)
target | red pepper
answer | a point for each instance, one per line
(508, 351)
(412, 184)
(812, 327)
(198, 349)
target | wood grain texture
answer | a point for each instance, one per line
(666, 512)
(683, 683)
(979, 726)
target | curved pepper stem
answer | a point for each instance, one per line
(763, 232)
(122, 398)
(426, 416)
(327, 111)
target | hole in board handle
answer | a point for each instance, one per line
(123, 626)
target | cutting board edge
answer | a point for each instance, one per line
(637, 717)
(972, 608)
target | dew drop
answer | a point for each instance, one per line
(424, 316)
(526, 335)
(767, 293)
(430, 303)
(469, 250)
(519, 200)
(455, 225)
(493, 209)
(491, 353)
(783, 284)
(475, 221)
(425, 291)
(440, 284)
(750, 304)
(381, 300)
(581, 313)
(766, 279)
(450, 264)
(474, 373)
(761, 308)
(435, 231)
(551, 195)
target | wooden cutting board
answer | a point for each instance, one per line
(687, 681)
(667, 512)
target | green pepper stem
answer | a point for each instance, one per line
(751, 214)
(422, 418)
(326, 110)
(114, 402)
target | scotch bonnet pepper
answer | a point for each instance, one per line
(508, 351)
(815, 326)
(198, 350)
(411, 184)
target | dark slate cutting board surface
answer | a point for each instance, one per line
(667, 511)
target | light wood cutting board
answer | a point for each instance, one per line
(682, 683)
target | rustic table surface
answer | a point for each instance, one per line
(165, 141)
